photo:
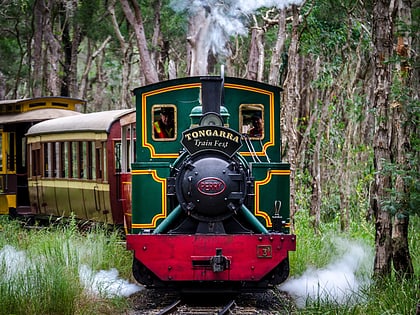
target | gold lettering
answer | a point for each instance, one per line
(226, 134)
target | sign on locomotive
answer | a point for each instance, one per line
(210, 202)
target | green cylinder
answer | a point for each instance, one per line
(257, 225)
(164, 226)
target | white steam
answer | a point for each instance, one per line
(16, 265)
(227, 17)
(106, 283)
(339, 282)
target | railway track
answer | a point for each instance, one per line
(149, 302)
(182, 308)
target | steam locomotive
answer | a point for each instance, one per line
(210, 194)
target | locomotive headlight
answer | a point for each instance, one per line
(211, 119)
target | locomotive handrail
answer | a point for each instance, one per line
(251, 148)
(257, 225)
(162, 228)
(265, 152)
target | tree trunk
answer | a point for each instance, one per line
(125, 59)
(382, 41)
(88, 65)
(290, 109)
(254, 53)
(198, 47)
(160, 48)
(274, 74)
(37, 48)
(136, 22)
(316, 198)
(54, 48)
(66, 44)
(75, 45)
(400, 146)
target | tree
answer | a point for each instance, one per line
(197, 42)
(400, 141)
(136, 22)
(291, 102)
(382, 41)
(391, 100)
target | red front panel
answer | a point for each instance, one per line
(186, 257)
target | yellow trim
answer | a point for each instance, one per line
(5, 151)
(163, 213)
(259, 183)
(145, 124)
(68, 136)
(4, 205)
(68, 183)
(29, 104)
(270, 94)
(6, 202)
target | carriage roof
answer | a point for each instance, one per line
(96, 122)
(36, 115)
(37, 109)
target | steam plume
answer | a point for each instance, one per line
(227, 18)
(339, 282)
(15, 264)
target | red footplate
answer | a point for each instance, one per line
(211, 257)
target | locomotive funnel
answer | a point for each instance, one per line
(211, 94)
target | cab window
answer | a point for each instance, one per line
(164, 122)
(252, 120)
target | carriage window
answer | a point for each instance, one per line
(127, 147)
(164, 122)
(36, 159)
(100, 163)
(57, 166)
(104, 163)
(252, 120)
(65, 159)
(47, 159)
(74, 160)
(92, 161)
(83, 157)
(117, 152)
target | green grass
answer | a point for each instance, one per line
(44, 277)
(39, 270)
(390, 296)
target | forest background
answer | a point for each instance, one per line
(349, 70)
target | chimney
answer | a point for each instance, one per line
(211, 94)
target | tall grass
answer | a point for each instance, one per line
(316, 251)
(40, 270)
(44, 275)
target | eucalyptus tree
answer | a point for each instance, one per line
(133, 13)
(396, 122)
(15, 47)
